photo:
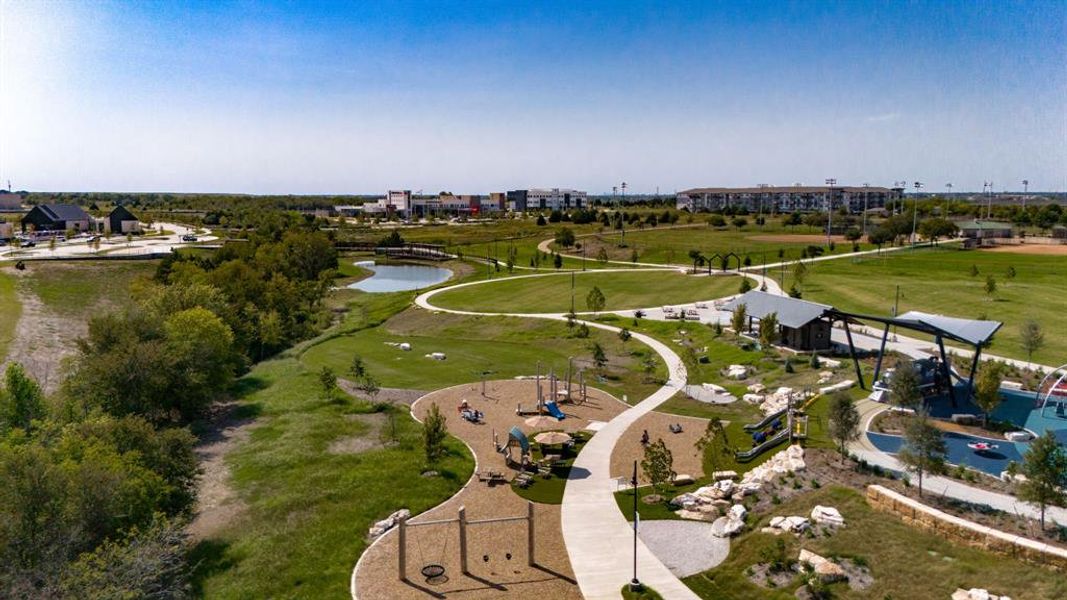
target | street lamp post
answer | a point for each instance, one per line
(1026, 190)
(915, 211)
(635, 583)
(762, 192)
(830, 209)
(866, 191)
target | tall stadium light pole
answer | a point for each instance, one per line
(623, 186)
(1026, 190)
(614, 195)
(915, 211)
(830, 210)
(762, 192)
(866, 190)
(948, 186)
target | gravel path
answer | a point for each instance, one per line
(699, 552)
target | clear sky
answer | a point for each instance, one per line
(472, 97)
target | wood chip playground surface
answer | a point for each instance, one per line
(377, 573)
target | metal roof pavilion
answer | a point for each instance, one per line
(792, 312)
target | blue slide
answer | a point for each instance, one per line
(553, 409)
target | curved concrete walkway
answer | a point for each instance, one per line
(599, 539)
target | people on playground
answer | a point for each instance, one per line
(468, 413)
(644, 438)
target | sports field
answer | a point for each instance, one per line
(939, 280)
(622, 290)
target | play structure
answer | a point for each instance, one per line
(556, 395)
(771, 431)
(1052, 393)
(934, 378)
(433, 568)
(516, 439)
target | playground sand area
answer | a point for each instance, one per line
(686, 459)
(1033, 249)
(551, 577)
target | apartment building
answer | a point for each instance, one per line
(788, 198)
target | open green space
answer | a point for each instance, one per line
(671, 246)
(302, 498)
(74, 288)
(905, 562)
(10, 309)
(939, 280)
(622, 290)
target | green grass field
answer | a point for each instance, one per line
(905, 562)
(77, 288)
(10, 309)
(308, 509)
(622, 290)
(940, 281)
(661, 245)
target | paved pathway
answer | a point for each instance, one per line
(116, 246)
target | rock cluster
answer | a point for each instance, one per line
(707, 502)
(976, 594)
(736, 372)
(388, 523)
(827, 570)
(776, 400)
(780, 525)
(827, 515)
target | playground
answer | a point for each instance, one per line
(498, 560)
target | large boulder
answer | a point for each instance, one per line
(827, 515)
(976, 594)
(726, 527)
(827, 570)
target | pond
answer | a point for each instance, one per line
(399, 278)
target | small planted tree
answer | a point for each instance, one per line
(602, 256)
(357, 369)
(595, 300)
(768, 330)
(624, 334)
(649, 365)
(746, 285)
(974, 270)
(565, 237)
(904, 386)
(924, 448)
(987, 388)
(327, 382)
(658, 465)
(434, 432)
(1031, 338)
(739, 318)
(990, 286)
(697, 257)
(800, 272)
(599, 358)
(557, 261)
(844, 421)
(1045, 468)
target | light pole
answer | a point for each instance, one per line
(1026, 190)
(915, 211)
(866, 190)
(762, 192)
(830, 209)
(635, 583)
(948, 186)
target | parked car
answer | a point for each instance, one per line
(188, 238)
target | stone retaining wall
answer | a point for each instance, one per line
(965, 532)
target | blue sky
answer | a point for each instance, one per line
(469, 96)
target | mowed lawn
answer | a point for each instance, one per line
(940, 281)
(661, 245)
(622, 290)
(905, 562)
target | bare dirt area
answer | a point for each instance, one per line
(43, 338)
(497, 551)
(217, 504)
(687, 461)
(1032, 249)
(390, 395)
(795, 238)
(356, 444)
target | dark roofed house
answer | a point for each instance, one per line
(56, 217)
(803, 325)
(121, 220)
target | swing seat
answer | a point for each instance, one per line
(432, 570)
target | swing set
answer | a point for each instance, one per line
(434, 571)
(555, 394)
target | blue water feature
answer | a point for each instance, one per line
(989, 461)
(399, 278)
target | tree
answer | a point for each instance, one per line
(649, 366)
(904, 385)
(974, 270)
(595, 300)
(768, 331)
(990, 285)
(1045, 468)
(541, 221)
(716, 221)
(358, 368)
(565, 237)
(434, 432)
(739, 222)
(713, 444)
(844, 421)
(327, 381)
(937, 227)
(1031, 338)
(924, 448)
(600, 359)
(794, 291)
(852, 234)
(800, 272)
(633, 255)
(697, 257)
(658, 464)
(1010, 273)
(624, 334)
(987, 388)
(368, 385)
(746, 285)
(21, 400)
(739, 318)
(880, 236)
(602, 256)
(557, 261)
